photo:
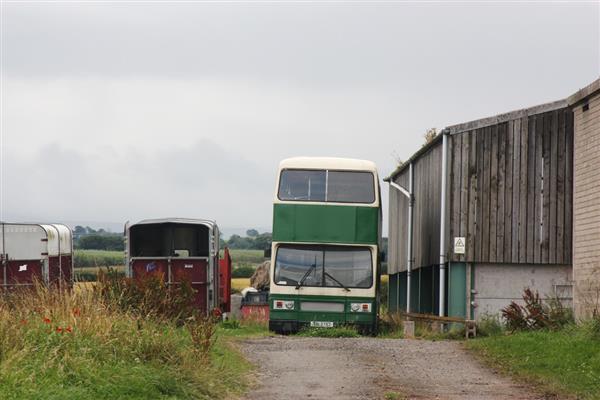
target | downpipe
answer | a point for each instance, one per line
(442, 294)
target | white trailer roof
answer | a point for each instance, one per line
(24, 241)
(34, 241)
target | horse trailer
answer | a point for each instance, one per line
(181, 250)
(36, 252)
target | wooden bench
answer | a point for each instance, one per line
(470, 325)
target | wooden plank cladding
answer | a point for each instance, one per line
(427, 177)
(509, 189)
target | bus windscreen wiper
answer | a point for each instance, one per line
(306, 274)
(336, 281)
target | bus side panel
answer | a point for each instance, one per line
(325, 224)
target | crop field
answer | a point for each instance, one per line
(237, 284)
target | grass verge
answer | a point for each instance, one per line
(74, 345)
(564, 362)
(335, 332)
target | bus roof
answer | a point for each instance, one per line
(333, 163)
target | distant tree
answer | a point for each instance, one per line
(238, 242)
(252, 233)
(79, 231)
(101, 242)
(263, 241)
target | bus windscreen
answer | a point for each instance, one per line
(324, 266)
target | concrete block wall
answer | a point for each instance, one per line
(496, 285)
(586, 205)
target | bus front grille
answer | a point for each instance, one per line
(321, 306)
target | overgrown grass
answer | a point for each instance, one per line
(76, 345)
(564, 362)
(335, 332)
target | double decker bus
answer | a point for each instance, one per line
(325, 252)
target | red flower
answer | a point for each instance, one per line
(23, 322)
(216, 312)
(47, 320)
(69, 329)
(59, 329)
(76, 312)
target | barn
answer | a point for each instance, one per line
(493, 206)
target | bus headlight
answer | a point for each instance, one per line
(283, 305)
(360, 307)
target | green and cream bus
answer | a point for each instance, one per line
(325, 251)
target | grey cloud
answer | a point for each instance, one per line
(204, 180)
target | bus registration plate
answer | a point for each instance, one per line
(321, 324)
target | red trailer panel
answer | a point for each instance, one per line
(179, 250)
(225, 281)
(194, 272)
(24, 272)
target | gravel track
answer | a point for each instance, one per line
(368, 368)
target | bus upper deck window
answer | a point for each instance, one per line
(302, 185)
(350, 187)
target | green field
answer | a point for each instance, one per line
(564, 362)
(89, 262)
(98, 258)
(243, 257)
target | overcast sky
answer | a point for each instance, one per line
(115, 112)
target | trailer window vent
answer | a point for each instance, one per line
(586, 107)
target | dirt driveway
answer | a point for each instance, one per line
(368, 368)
